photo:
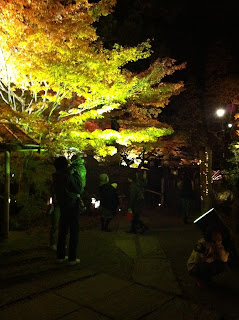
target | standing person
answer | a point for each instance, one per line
(78, 170)
(208, 257)
(66, 189)
(186, 195)
(138, 182)
(109, 201)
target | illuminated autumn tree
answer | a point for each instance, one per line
(57, 76)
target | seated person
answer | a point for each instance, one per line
(208, 258)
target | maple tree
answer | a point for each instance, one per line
(57, 76)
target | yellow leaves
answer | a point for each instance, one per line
(106, 151)
(108, 135)
(236, 116)
(52, 49)
(104, 7)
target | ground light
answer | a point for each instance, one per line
(95, 203)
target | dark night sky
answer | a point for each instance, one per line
(183, 30)
(204, 34)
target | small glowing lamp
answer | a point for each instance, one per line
(95, 203)
(229, 125)
(220, 112)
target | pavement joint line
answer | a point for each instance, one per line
(24, 262)
(100, 299)
(107, 296)
(86, 307)
(34, 275)
(159, 290)
(145, 257)
(21, 251)
(42, 292)
(154, 310)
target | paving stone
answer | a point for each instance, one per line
(128, 247)
(156, 273)
(47, 307)
(131, 303)
(84, 314)
(90, 290)
(150, 247)
(44, 283)
(180, 310)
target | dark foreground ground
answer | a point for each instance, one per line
(121, 276)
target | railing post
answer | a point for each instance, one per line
(5, 220)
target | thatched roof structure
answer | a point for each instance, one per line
(14, 138)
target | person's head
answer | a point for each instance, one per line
(60, 163)
(213, 233)
(77, 159)
(103, 179)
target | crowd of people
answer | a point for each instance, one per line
(208, 258)
(69, 181)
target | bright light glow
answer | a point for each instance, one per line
(95, 203)
(50, 200)
(9, 200)
(159, 204)
(216, 175)
(220, 112)
(13, 174)
(229, 125)
(203, 215)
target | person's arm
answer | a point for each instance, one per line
(197, 255)
(194, 259)
(132, 197)
(222, 253)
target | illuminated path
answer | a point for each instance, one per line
(131, 279)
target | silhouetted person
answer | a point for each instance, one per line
(108, 201)
(66, 189)
(138, 182)
(208, 257)
(186, 195)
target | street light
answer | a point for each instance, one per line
(220, 112)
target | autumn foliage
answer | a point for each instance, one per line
(57, 76)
